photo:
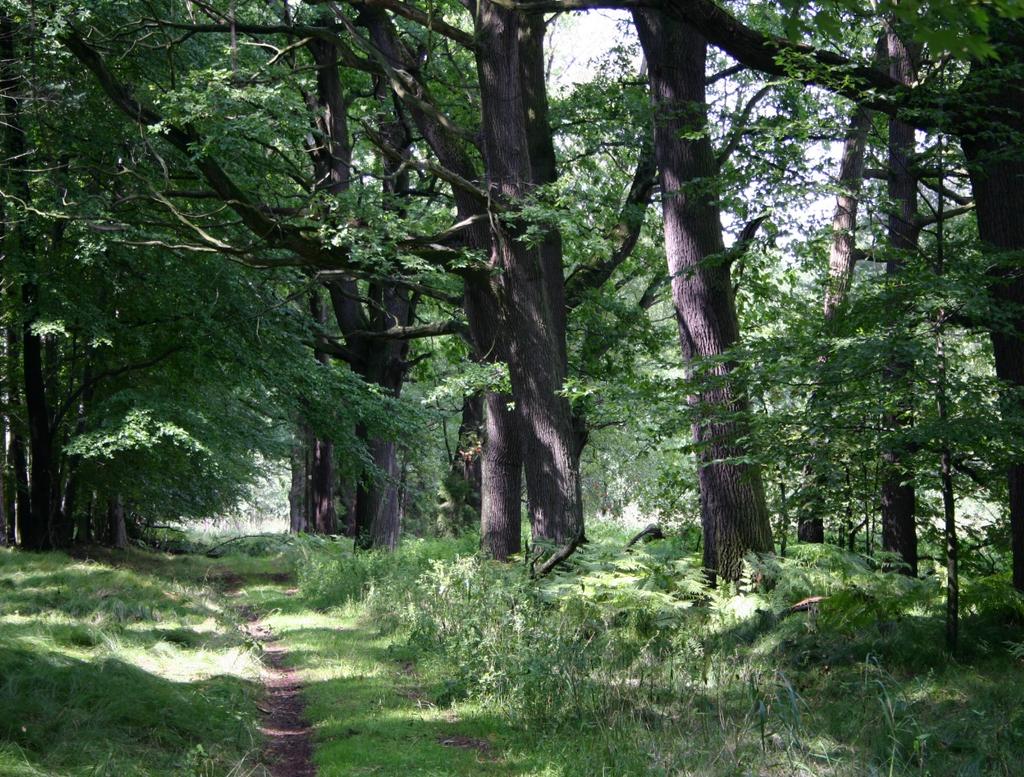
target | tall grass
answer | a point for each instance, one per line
(662, 675)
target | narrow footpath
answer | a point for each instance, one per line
(289, 744)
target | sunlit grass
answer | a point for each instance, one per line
(133, 665)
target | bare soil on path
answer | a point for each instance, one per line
(289, 743)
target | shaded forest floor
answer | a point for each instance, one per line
(430, 663)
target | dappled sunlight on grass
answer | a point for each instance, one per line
(127, 667)
(369, 714)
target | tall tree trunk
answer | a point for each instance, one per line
(733, 509)
(899, 530)
(322, 511)
(380, 361)
(34, 526)
(297, 508)
(500, 515)
(378, 517)
(544, 171)
(523, 289)
(501, 510)
(321, 508)
(842, 255)
(995, 155)
(36, 530)
(841, 261)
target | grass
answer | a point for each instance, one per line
(375, 710)
(125, 663)
(133, 664)
(595, 674)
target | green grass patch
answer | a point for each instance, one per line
(627, 664)
(433, 661)
(126, 663)
(376, 710)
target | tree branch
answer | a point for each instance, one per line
(626, 232)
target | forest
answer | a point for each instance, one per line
(511, 387)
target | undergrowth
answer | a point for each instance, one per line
(632, 649)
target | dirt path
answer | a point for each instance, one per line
(289, 743)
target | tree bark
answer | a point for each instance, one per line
(733, 509)
(995, 155)
(297, 507)
(523, 290)
(501, 469)
(841, 261)
(899, 530)
(322, 515)
(35, 523)
(118, 536)
(35, 532)
(501, 510)
(843, 250)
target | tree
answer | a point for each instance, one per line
(733, 509)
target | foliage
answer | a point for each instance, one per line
(634, 643)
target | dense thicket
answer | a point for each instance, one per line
(398, 248)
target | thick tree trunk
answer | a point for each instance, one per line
(544, 171)
(995, 158)
(733, 508)
(33, 526)
(899, 529)
(543, 164)
(523, 289)
(378, 517)
(501, 471)
(501, 522)
(500, 517)
(322, 515)
(322, 511)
